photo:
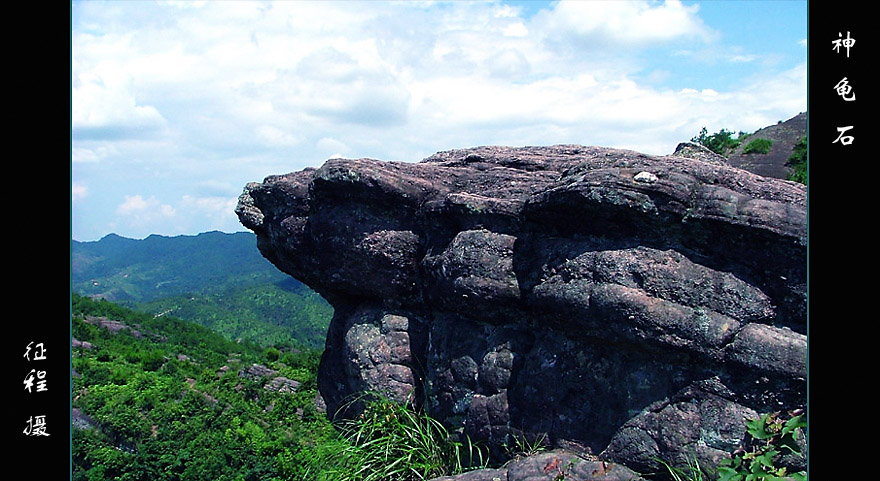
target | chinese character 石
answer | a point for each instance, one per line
(39, 352)
(845, 42)
(41, 381)
(844, 139)
(843, 89)
(36, 426)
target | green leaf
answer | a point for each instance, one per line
(728, 474)
(766, 459)
(795, 423)
(757, 427)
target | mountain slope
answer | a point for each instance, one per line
(121, 269)
(216, 279)
(784, 136)
(166, 399)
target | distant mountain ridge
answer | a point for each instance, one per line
(122, 269)
(216, 279)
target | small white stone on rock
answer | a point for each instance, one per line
(645, 177)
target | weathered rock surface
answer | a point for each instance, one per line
(559, 464)
(626, 305)
(273, 382)
(111, 325)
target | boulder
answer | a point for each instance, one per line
(630, 306)
(553, 465)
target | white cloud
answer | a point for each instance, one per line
(100, 111)
(78, 191)
(216, 213)
(136, 205)
(622, 24)
(516, 30)
(332, 148)
(139, 216)
(103, 102)
(508, 63)
(184, 95)
(737, 58)
(275, 136)
(80, 153)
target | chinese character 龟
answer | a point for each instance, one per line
(843, 89)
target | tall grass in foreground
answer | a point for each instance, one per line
(692, 473)
(389, 442)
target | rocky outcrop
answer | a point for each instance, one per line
(111, 325)
(693, 150)
(273, 382)
(554, 465)
(631, 306)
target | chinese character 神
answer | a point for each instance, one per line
(39, 352)
(845, 42)
(844, 139)
(36, 426)
(843, 89)
(41, 382)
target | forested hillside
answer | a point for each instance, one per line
(164, 399)
(158, 399)
(218, 280)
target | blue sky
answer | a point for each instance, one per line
(177, 105)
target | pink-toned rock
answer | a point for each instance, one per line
(563, 290)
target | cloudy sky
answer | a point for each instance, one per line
(176, 105)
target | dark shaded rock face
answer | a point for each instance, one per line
(626, 305)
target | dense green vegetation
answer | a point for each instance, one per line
(722, 142)
(169, 404)
(132, 271)
(283, 314)
(160, 398)
(758, 146)
(798, 162)
(770, 436)
(218, 280)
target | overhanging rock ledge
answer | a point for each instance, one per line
(631, 306)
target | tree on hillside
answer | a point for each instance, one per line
(721, 142)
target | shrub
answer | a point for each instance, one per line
(272, 354)
(798, 162)
(758, 146)
(769, 436)
(721, 142)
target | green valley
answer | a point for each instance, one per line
(163, 398)
(216, 279)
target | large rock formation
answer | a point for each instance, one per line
(631, 306)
